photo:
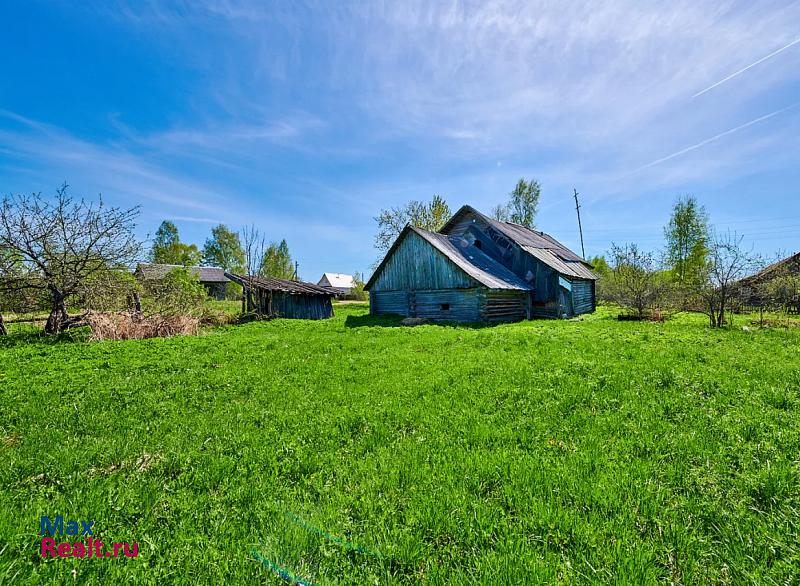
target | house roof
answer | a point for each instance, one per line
(339, 280)
(538, 244)
(159, 271)
(789, 265)
(273, 284)
(465, 256)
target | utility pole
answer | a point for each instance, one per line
(580, 228)
(296, 265)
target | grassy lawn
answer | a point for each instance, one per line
(353, 451)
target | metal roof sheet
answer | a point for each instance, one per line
(474, 262)
(205, 274)
(553, 253)
(563, 266)
(273, 284)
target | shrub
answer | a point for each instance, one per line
(178, 293)
(357, 293)
(634, 281)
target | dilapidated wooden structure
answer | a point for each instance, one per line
(271, 297)
(480, 269)
(752, 290)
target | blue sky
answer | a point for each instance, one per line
(308, 118)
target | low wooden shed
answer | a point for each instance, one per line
(271, 297)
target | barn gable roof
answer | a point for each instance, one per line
(472, 261)
(273, 284)
(542, 246)
(159, 271)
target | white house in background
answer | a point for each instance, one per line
(339, 282)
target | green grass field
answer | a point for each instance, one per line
(353, 451)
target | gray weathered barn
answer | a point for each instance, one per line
(212, 278)
(480, 269)
(271, 297)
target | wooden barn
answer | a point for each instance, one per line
(480, 269)
(271, 297)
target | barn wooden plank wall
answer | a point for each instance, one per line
(416, 265)
(582, 296)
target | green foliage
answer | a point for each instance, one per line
(687, 236)
(178, 293)
(357, 293)
(634, 280)
(600, 266)
(224, 250)
(522, 205)
(278, 261)
(166, 236)
(782, 291)
(110, 290)
(432, 215)
(549, 451)
(168, 249)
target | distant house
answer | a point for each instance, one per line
(480, 269)
(271, 297)
(339, 282)
(212, 278)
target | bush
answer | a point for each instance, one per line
(178, 293)
(357, 293)
(634, 281)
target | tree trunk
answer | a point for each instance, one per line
(58, 315)
(3, 331)
(135, 303)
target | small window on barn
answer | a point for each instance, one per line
(444, 307)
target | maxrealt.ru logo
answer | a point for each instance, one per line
(91, 547)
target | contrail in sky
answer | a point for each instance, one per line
(712, 139)
(732, 75)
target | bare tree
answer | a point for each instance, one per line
(60, 243)
(8, 266)
(728, 263)
(254, 244)
(633, 280)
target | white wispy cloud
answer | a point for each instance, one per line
(743, 69)
(716, 137)
(323, 109)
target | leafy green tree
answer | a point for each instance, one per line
(166, 236)
(278, 261)
(168, 249)
(634, 280)
(430, 215)
(687, 236)
(600, 266)
(357, 293)
(522, 206)
(224, 249)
